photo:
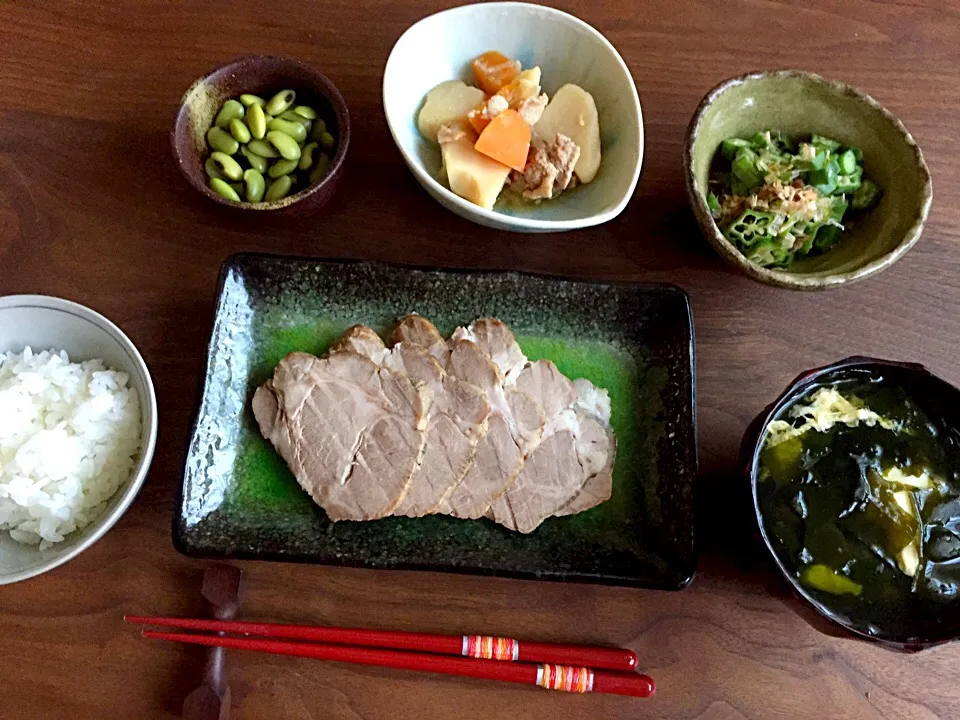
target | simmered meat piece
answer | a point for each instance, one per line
(532, 109)
(352, 433)
(549, 169)
(456, 423)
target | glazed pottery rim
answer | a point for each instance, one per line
(793, 391)
(689, 562)
(321, 83)
(149, 421)
(781, 278)
(515, 222)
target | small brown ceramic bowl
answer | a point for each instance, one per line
(264, 76)
(799, 103)
(940, 400)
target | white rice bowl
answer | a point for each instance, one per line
(69, 440)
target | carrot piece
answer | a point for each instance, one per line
(506, 139)
(476, 119)
(493, 70)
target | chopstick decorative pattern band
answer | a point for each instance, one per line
(488, 647)
(565, 678)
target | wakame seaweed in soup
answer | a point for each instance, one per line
(859, 493)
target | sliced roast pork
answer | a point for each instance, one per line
(417, 330)
(352, 432)
(570, 470)
(361, 340)
(596, 447)
(498, 342)
(515, 422)
(467, 427)
(457, 420)
(552, 474)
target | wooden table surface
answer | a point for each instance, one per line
(92, 209)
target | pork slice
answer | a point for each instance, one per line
(496, 465)
(456, 423)
(497, 342)
(352, 433)
(544, 381)
(417, 330)
(470, 361)
(515, 422)
(596, 449)
(579, 412)
(549, 478)
(362, 340)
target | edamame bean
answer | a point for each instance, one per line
(284, 144)
(257, 162)
(293, 129)
(263, 149)
(279, 188)
(291, 116)
(308, 112)
(280, 102)
(327, 141)
(323, 165)
(221, 188)
(306, 155)
(211, 167)
(239, 131)
(319, 127)
(222, 141)
(282, 167)
(255, 185)
(279, 141)
(231, 109)
(257, 122)
(229, 167)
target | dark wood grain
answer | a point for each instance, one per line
(91, 208)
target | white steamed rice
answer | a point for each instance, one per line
(69, 439)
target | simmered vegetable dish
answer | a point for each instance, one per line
(777, 200)
(859, 493)
(505, 133)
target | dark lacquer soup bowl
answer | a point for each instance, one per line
(855, 477)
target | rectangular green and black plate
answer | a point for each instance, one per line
(239, 500)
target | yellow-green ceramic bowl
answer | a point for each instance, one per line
(800, 103)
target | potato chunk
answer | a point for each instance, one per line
(445, 104)
(572, 112)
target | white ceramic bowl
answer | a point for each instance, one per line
(440, 47)
(46, 323)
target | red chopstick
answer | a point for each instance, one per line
(475, 646)
(564, 678)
